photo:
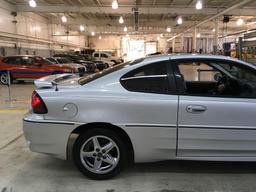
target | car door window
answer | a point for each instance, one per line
(96, 55)
(216, 78)
(151, 78)
(27, 60)
(104, 55)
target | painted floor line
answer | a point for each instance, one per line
(12, 141)
(12, 110)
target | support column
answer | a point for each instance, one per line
(194, 41)
(182, 43)
(216, 37)
(173, 45)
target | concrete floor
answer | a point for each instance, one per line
(24, 171)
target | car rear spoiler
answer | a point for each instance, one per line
(53, 80)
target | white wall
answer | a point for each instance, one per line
(41, 34)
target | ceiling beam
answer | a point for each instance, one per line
(142, 10)
(221, 13)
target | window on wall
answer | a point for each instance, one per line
(216, 78)
(148, 79)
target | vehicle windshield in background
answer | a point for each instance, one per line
(87, 79)
(63, 60)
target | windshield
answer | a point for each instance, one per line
(90, 78)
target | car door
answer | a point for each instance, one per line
(218, 124)
(151, 111)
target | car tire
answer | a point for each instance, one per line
(99, 153)
(4, 78)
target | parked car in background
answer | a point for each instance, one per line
(107, 58)
(28, 67)
(65, 62)
(100, 64)
(79, 60)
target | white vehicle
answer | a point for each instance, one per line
(107, 58)
(185, 107)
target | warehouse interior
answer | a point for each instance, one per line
(124, 30)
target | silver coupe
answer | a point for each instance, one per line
(186, 107)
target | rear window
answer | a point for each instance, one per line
(87, 79)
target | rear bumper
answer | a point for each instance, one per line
(49, 137)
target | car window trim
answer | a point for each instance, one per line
(143, 77)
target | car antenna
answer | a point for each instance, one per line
(56, 85)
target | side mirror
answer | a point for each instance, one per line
(217, 76)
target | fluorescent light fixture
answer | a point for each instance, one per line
(100, 37)
(213, 30)
(179, 20)
(199, 5)
(81, 27)
(32, 3)
(240, 21)
(158, 38)
(198, 35)
(121, 20)
(93, 33)
(115, 4)
(64, 19)
(125, 29)
(168, 29)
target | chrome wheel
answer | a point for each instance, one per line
(4, 79)
(99, 154)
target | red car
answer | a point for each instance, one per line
(27, 67)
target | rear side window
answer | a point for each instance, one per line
(151, 78)
(13, 60)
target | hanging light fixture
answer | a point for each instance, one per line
(93, 33)
(100, 37)
(115, 4)
(32, 3)
(199, 5)
(240, 22)
(198, 35)
(81, 27)
(213, 30)
(121, 20)
(168, 29)
(179, 20)
(64, 19)
(125, 29)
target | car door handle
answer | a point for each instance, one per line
(196, 108)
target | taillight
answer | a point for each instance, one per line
(38, 105)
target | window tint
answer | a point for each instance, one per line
(216, 78)
(13, 60)
(151, 78)
(96, 55)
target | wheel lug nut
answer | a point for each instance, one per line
(103, 151)
(104, 157)
(98, 159)
(98, 150)
(94, 154)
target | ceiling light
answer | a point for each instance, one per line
(198, 35)
(168, 29)
(240, 21)
(179, 20)
(213, 30)
(100, 37)
(158, 38)
(199, 5)
(125, 29)
(32, 3)
(81, 27)
(64, 19)
(93, 33)
(115, 4)
(121, 20)
(161, 35)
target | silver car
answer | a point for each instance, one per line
(186, 107)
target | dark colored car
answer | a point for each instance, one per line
(79, 60)
(99, 64)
